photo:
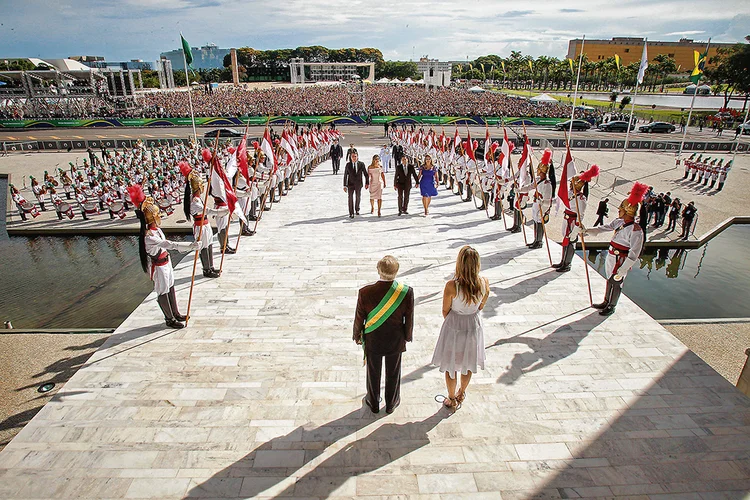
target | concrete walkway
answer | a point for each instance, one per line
(261, 395)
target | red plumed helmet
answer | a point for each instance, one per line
(589, 174)
(232, 149)
(206, 155)
(546, 157)
(136, 194)
(637, 193)
(277, 141)
(256, 145)
(475, 145)
(185, 168)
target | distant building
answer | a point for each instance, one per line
(166, 76)
(434, 72)
(630, 49)
(207, 57)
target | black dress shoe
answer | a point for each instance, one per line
(495, 217)
(534, 246)
(173, 323)
(376, 410)
(351, 216)
(406, 213)
(357, 213)
(252, 217)
(211, 273)
(390, 410)
(180, 317)
(514, 230)
(555, 266)
(247, 232)
(563, 269)
(601, 305)
(607, 311)
(230, 250)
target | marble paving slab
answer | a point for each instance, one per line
(261, 395)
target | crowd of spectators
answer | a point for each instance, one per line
(300, 101)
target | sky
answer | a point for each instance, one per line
(121, 30)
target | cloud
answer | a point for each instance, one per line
(516, 13)
(683, 33)
(570, 11)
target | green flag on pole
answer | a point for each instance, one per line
(186, 49)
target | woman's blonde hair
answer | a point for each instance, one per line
(428, 157)
(374, 157)
(467, 278)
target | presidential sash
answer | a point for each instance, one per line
(386, 307)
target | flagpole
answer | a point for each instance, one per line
(575, 91)
(632, 108)
(690, 113)
(536, 198)
(580, 232)
(200, 233)
(190, 97)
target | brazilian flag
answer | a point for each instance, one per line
(700, 63)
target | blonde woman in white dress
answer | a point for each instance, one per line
(460, 347)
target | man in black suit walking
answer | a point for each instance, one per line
(602, 211)
(402, 183)
(354, 171)
(384, 322)
(336, 153)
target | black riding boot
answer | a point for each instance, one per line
(614, 297)
(498, 209)
(223, 241)
(568, 252)
(468, 192)
(211, 261)
(461, 189)
(207, 261)
(607, 294)
(169, 318)
(173, 304)
(516, 228)
(538, 233)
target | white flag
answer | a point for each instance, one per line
(644, 65)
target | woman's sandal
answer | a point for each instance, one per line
(460, 396)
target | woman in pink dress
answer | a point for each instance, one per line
(377, 183)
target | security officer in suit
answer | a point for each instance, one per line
(336, 153)
(402, 183)
(354, 172)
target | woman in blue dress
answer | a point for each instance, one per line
(427, 183)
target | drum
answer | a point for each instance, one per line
(30, 208)
(115, 206)
(90, 207)
(65, 208)
(166, 206)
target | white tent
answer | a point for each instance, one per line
(420, 81)
(476, 90)
(383, 80)
(543, 98)
(408, 80)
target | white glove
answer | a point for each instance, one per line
(185, 246)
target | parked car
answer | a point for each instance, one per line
(577, 125)
(616, 126)
(745, 127)
(657, 127)
(223, 132)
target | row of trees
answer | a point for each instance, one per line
(551, 73)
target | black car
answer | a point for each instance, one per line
(223, 132)
(577, 125)
(616, 126)
(657, 127)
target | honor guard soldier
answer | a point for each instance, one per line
(194, 209)
(38, 191)
(624, 248)
(579, 190)
(152, 247)
(545, 186)
(723, 175)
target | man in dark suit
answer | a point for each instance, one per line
(336, 153)
(402, 183)
(354, 171)
(602, 211)
(350, 152)
(384, 329)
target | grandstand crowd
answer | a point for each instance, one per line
(299, 101)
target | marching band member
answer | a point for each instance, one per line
(155, 260)
(38, 191)
(624, 248)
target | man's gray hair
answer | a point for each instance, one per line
(388, 267)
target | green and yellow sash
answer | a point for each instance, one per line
(387, 306)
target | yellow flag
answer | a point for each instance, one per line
(617, 61)
(530, 68)
(570, 61)
(697, 56)
(502, 63)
